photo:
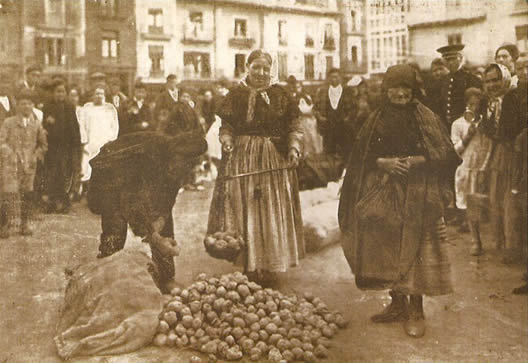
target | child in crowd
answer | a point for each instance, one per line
(22, 143)
(473, 147)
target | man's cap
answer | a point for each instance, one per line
(98, 75)
(449, 51)
(31, 69)
(171, 76)
(291, 80)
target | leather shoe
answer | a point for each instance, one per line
(415, 326)
(396, 311)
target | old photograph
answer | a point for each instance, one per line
(200, 181)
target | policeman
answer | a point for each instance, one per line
(455, 84)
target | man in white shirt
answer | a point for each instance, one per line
(98, 125)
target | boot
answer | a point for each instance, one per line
(476, 244)
(396, 311)
(415, 326)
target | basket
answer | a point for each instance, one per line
(224, 245)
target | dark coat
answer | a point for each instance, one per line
(165, 102)
(433, 96)
(382, 251)
(183, 118)
(64, 147)
(132, 117)
(335, 125)
(452, 94)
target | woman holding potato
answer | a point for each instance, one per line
(256, 197)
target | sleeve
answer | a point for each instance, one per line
(225, 112)
(511, 118)
(42, 143)
(295, 130)
(457, 138)
(115, 122)
(83, 126)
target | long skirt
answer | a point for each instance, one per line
(502, 211)
(431, 272)
(264, 209)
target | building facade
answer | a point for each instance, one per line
(353, 40)
(110, 35)
(49, 33)
(386, 34)
(204, 39)
(482, 26)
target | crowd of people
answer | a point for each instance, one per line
(417, 148)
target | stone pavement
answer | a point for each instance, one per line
(481, 322)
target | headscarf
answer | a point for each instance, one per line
(495, 103)
(253, 92)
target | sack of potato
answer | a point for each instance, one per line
(224, 245)
(230, 317)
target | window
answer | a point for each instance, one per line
(109, 8)
(329, 41)
(240, 28)
(521, 35)
(54, 15)
(196, 23)
(309, 36)
(156, 60)
(354, 54)
(282, 33)
(155, 20)
(283, 66)
(50, 51)
(309, 71)
(240, 64)
(353, 20)
(199, 63)
(404, 46)
(110, 45)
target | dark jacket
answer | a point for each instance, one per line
(183, 118)
(134, 118)
(452, 94)
(165, 101)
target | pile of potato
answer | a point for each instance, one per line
(229, 317)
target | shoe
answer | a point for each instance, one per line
(415, 326)
(522, 290)
(396, 311)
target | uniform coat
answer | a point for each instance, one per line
(452, 94)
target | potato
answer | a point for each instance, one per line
(283, 344)
(187, 321)
(295, 343)
(231, 285)
(195, 306)
(247, 345)
(180, 329)
(309, 357)
(237, 332)
(321, 352)
(274, 339)
(239, 322)
(250, 300)
(264, 336)
(160, 340)
(195, 359)
(172, 338)
(255, 327)
(274, 355)
(163, 327)
(234, 353)
(307, 347)
(243, 290)
(271, 328)
(287, 355)
(170, 317)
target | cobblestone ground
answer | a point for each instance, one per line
(481, 322)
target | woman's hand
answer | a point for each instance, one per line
(227, 146)
(293, 157)
(394, 166)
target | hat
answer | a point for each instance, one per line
(449, 51)
(97, 75)
(291, 80)
(355, 81)
(510, 48)
(33, 69)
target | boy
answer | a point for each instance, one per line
(22, 143)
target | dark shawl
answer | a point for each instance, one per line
(427, 188)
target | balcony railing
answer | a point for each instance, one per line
(239, 42)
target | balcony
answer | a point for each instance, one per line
(329, 44)
(242, 42)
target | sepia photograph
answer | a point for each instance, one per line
(201, 181)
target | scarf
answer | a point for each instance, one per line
(253, 93)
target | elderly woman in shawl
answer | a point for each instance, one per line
(392, 202)
(260, 132)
